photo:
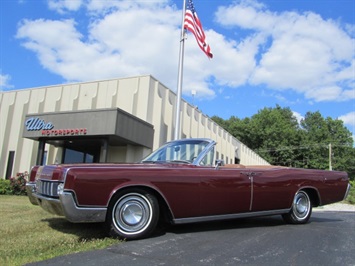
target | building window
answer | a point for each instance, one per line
(10, 164)
(45, 157)
(72, 156)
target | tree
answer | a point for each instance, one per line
(325, 136)
(276, 135)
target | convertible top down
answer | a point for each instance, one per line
(180, 182)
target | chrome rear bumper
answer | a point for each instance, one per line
(347, 191)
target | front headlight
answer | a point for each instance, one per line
(60, 188)
(38, 186)
(34, 188)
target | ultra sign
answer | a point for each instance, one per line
(37, 124)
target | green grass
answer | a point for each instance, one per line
(29, 234)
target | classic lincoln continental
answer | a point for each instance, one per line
(182, 183)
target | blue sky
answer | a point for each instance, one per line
(294, 53)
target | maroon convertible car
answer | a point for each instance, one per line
(183, 183)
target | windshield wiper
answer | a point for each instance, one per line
(154, 162)
(178, 161)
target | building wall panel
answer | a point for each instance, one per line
(143, 96)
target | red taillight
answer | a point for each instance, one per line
(33, 173)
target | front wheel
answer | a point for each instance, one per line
(301, 209)
(132, 214)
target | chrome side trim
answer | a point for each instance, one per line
(228, 216)
(64, 174)
(251, 178)
(347, 191)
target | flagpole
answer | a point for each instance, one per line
(177, 132)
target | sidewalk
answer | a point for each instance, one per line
(340, 207)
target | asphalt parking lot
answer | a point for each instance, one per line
(329, 239)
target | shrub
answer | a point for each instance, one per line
(5, 187)
(18, 184)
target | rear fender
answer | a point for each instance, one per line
(313, 194)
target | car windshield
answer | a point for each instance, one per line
(180, 151)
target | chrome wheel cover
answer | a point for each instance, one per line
(132, 214)
(301, 205)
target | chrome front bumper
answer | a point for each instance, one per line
(66, 206)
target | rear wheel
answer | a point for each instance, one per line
(301, 209)
(132, 214)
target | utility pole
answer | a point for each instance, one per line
(330, 157)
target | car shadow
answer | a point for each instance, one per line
(96, 230)
(242, 223)
(85, 231)
(227, 225)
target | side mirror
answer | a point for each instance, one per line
(219, 163)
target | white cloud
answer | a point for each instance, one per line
(100, 6)
(119, 45)
(5, 82)
(288, 50)
(63, 6)
(245, 14)
(348, 119)
(298, 116)
(302, 52)
(233, 62)
(328, 94)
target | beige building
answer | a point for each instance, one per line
(117, 120)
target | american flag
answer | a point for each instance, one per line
(193, 24)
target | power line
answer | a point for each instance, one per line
(306, 147)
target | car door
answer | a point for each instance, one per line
(224, 191)
(272, 189)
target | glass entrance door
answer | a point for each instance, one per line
(72, 156)
(81, 151)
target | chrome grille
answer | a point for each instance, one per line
(47, 188)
